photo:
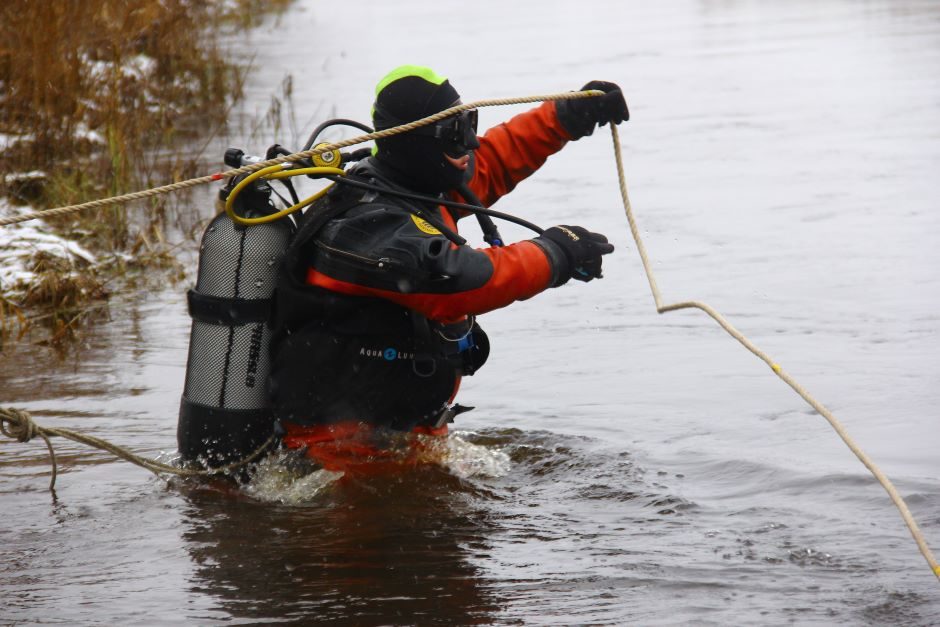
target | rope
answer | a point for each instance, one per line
(297, 156)
(740, 337)
(19, 425)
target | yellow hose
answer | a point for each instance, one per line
(276, 172)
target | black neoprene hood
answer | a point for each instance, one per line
(406, 94)
(409, 93)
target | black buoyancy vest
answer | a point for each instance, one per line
(339, 357)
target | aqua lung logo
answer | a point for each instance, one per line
(254, 353)
(388, 354)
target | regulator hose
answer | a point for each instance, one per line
(475, 209)
(334, 122)
(278, 150)
(277, 172)
(490, 232)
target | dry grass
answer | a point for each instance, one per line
(96, 93)
(95, 86)
(65, 292)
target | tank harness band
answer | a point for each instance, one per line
(229, 312)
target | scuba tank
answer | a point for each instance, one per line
(224, 411)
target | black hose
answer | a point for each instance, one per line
(431, 219)
(334, 122)
(275, 151)
(356, 155)
(475, 209)
(490, 233)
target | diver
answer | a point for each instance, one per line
(376, 303)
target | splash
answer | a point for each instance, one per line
(289, 479)
(283, 478)
(467, 460)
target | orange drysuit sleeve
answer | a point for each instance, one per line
(508, 153)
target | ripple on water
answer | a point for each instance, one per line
(899, 608)
(578, 469)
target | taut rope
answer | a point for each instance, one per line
(297, 156)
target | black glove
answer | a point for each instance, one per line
(575, 253)
(580, 116)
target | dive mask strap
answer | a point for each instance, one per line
(459, 129)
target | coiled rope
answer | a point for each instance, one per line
(19, 425)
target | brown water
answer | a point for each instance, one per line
(621, 467)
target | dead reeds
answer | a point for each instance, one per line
(94, 94)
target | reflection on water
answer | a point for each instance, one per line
(362, 552)
(413, 547)
(621, 467)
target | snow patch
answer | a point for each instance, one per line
(83, 132)
(7, 140)
(137, 67)
(20, 242)
(22, 177)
